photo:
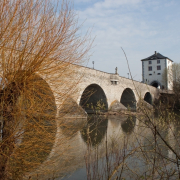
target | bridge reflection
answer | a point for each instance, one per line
(73, 144)
(73, 139)
(129, 124)
(70, 126)
(95, 130)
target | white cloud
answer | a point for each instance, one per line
(114, 3)
(136, 25)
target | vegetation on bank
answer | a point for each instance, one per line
(172, 75)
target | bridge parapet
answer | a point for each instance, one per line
(165, 91)
(113, 86)
(107, 87)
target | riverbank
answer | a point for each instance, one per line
(121, 113)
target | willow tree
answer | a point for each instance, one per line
(38, 46)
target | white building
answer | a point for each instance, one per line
(152, 70)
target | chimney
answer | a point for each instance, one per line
(155, 53)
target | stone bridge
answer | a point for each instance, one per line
(96, 90)
(99, 90)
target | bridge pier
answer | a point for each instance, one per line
(117, 106)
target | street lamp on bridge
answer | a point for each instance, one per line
(93, 64)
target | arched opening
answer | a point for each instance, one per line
(94, 99)
(156, 84)
(128, 99)
(148, 98)
(34, 115)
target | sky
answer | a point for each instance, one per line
(140, 27)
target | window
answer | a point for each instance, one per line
(150, 74)
(150, 62)
(159, 74)
(158, 67)
(158, 61)
(113, 82)
(150, 68)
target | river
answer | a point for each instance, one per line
(117, 146)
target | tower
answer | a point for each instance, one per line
(153, 71)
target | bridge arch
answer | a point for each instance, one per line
(148, 98)
(93, 98)
(128, 99)
(39, 95)
(36, 113)
(156, 84)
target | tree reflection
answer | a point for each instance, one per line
(95, 130)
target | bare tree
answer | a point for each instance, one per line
(172, 76)
(38, 45)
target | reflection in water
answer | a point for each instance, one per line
(70, 126)
(175, 134)
(157, 150)
(129, 124)
(118, 130)
(95, 130)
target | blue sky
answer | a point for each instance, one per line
(139, 26)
